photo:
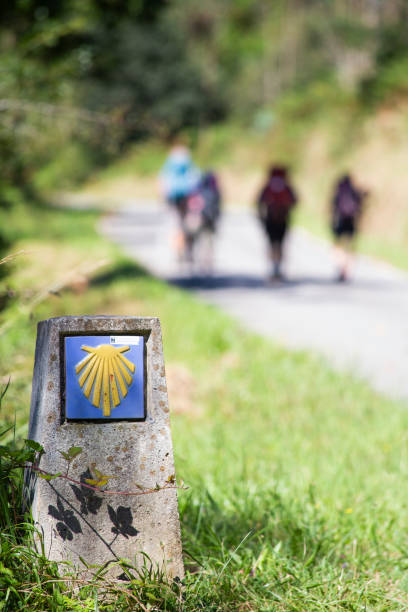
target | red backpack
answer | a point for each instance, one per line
(278, 198)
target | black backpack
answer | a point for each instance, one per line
(210, 192)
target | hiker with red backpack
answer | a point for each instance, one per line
(346, 209)
(275, 204)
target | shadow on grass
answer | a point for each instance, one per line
(126, 271)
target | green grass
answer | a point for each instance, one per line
(296, 474)
(143, 160)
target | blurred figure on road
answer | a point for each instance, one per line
(275, 203)
(346, 209)
(211, 194)
(179, 179)
(200, 221)
(210, 190)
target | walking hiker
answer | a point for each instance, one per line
(346, 209)
(179, 178)
(275, 203)
(210, 191)
(200, 221)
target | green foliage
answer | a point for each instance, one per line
(391, 82)
(100, 479)
(156, 67)
(72, 452)
(255, 51)
(142, 71)
(73, 164)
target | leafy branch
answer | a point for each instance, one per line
(32, 456)
(73, 452)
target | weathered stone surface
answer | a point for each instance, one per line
(101, 527)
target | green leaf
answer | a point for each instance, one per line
(21, 456)
(4, 389)
(49, 476)
(99, 475)
(34, 446)
(3, 433)
(102, 482)
(74, 451)
(65, 455)
(91, 481)
(83, 561)
(5, 570)
(152, 597)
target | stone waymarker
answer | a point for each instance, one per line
(99, 385)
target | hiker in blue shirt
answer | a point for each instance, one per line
(179, 178)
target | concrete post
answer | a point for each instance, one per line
(99, 385)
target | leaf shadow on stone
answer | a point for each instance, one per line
(67, 523)
(62, 528)
(90, 502)
(122, 520)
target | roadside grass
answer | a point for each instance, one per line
(296, 474)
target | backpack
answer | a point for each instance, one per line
(193, 218)
(278, 199)
(211, 195)
(347, 202)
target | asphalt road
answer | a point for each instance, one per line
(361, 327)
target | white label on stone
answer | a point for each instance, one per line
(124, 340)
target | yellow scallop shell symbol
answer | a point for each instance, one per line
(104, 369)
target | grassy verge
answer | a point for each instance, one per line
(296, 473)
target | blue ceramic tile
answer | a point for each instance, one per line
(104, 377)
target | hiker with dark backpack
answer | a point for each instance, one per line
(346, 209)
(275, 204)
(203, 210)
(211, 193)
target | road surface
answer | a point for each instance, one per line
(361, 327)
